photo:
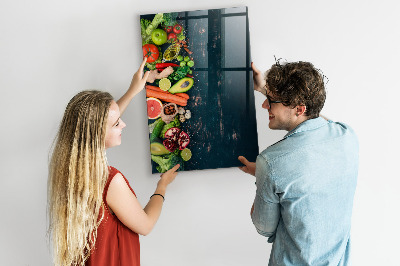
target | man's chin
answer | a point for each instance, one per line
(271, 125)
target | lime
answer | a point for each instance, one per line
(190, 63)
(187, 58)
(186, 154)
(182, 64)
(165, 84)
(179, 58)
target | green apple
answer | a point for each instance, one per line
(159, 36)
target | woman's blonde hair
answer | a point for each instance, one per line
(78, 172)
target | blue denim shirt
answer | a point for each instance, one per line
(305, 189)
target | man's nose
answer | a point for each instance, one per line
(265, 104)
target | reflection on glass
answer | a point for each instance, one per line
(198, 12)
(234, 91)
(234, 41)
(240, 9)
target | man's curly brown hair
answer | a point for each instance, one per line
(297, 83)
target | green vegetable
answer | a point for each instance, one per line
(146, 38)
(169, 19)
(179, 73)
(190, 63)
(151, 66)
(144, 23)
(157, 129)
(173, 123)
(181, 37)
(179, 58)
(187, 58)
(168, 161)
(153, 125)
(182, 64)
(158, 18)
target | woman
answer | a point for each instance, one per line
(95, 217)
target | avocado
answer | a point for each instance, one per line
(157, 148)
(183, 85)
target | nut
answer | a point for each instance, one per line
(182, 118)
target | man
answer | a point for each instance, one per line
(306, 181)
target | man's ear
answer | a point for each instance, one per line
(300, 110)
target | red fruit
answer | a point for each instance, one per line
(183, 140)
(175, 138)
(170, 144)
(169, 29)
(151, 52)
(177, 28)
(172, 133)
(172, 36)
(154, 108)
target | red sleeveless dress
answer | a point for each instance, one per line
(116, 244)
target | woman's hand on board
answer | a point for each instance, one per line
(138, 79)
(137, 84)
(127, 208)
(169, 176)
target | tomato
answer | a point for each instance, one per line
(172, 36)
(151, 52)
(177, 28)
(169, 29)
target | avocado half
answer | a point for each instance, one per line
(183, 85)
(157, 148)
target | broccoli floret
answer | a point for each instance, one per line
(174, 160)
(170, 19)
(166, 162)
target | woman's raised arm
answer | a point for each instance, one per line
(137, 84)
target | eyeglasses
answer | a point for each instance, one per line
(270, 101)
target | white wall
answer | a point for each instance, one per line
(49, 50)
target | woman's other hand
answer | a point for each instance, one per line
(169, 176)
(259, 82)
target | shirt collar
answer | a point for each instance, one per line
(307, 125)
